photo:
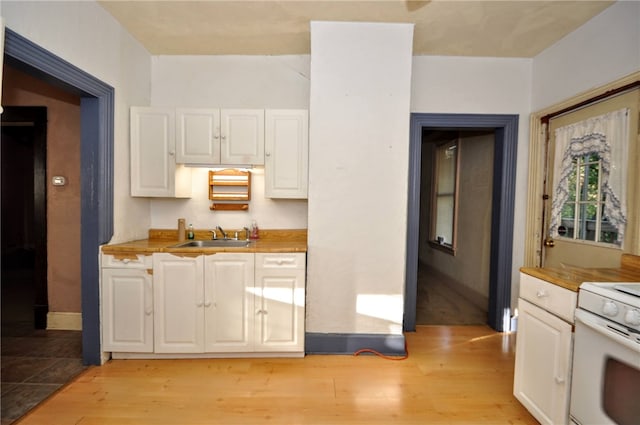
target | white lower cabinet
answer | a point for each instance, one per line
(127, 304)
(542, 377)
(229, 282)
(280, 302)
(198, 304)
(178, 298)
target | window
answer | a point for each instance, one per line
(445, 196)
(583, 212)
(590, 179)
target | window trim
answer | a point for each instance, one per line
(433, 243)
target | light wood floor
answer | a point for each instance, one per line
(453, 375)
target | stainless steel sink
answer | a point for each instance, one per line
(214, 243)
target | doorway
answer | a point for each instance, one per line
(505, 128)
(455, 226)
(96, 141)
(24, 221)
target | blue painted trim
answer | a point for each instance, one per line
(96, 144)
(504, 181)
(334, 343)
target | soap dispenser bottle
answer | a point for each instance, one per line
(190, 233)
(255, 232)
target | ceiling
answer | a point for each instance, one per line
(515, 28)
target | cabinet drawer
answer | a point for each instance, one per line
(127, 261)
(555, 299)
(281, 260)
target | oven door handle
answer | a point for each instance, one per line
(608, 329)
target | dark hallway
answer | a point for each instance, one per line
(35, 362)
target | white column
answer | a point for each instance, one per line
(359, 139)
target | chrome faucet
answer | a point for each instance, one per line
(213, 235)
(224, 234)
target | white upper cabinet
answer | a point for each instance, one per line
(154, 171)
(242, 136)
(286, 153)
(198, 136)
(220, 136)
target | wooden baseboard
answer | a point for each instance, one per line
(64, 321)
(319, 343)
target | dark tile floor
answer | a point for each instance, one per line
(35, 363)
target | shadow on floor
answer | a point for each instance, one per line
(440, 301)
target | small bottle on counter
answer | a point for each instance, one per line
(255, 232)
(190, 233)
(181, 230)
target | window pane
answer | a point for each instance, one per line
(446, 169)
(572, 182)
(587, 222)
(589, 182)
(444, 194)
(444, 219)
(608, 233)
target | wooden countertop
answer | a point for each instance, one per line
(572, 277)
(161, 240)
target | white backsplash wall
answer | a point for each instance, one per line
(269, 213)
(269, 82)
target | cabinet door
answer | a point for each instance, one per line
(280, 302)
(242, 136)
(178, 294)
(198, 136)
(153, 158)
(127, 311)
(229, 282)
(286, 153)
(543, 364)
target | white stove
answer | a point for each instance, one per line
(617, 301)
(606, 357)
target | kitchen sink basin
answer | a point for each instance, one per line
(214, 243)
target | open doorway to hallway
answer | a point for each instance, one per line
(455, 226)
(38, 248)
(505, 128)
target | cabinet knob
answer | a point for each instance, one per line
(171, 153)
(267, 154)
(541, 293)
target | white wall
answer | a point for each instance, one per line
(604, 49)
(358, 164)
(82, 33)
(230, 82)
(85, 35)
(470, 85)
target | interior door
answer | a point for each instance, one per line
(578, 232)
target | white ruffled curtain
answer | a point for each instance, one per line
(607, 136)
